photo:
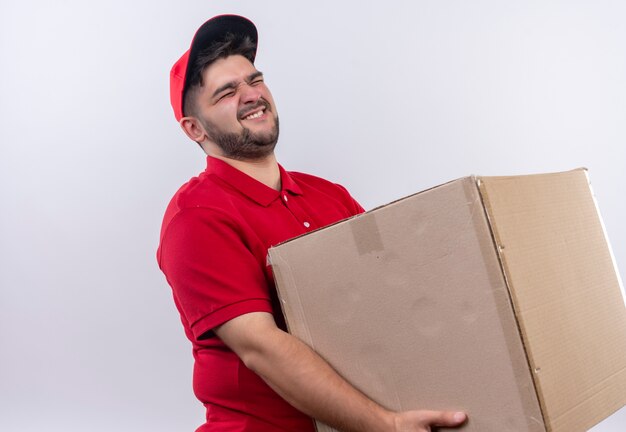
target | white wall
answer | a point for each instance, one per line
(388, 98)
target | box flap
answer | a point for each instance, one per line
(566, 293)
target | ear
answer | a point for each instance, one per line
(193, 129)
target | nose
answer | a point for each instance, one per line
(249, 94)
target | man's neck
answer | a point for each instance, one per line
(264, 170)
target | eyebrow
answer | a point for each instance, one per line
(233, 84)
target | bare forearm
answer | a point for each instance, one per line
(307, 382)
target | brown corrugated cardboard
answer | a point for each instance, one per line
(565, 289)
(494, 295)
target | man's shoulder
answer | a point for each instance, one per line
(325, 189)
(199, 193)
(309, 180)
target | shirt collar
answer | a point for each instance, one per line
(252, 188)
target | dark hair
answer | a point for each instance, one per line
(233, 44)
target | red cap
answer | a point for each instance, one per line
(214, 30)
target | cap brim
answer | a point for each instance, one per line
(215, 30)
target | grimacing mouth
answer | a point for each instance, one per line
(255, 112)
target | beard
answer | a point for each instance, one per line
(245, 145)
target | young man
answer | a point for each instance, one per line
(249, 373)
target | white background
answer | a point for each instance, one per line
(387, 98)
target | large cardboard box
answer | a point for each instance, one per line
(494, 295)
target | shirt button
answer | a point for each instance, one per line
(306, 224)
(285, 198)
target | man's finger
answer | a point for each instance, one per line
(444, 418)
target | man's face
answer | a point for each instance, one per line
(237, 110)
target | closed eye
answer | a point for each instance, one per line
(255, 78)
(226, 95)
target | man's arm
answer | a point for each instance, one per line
(308, 383)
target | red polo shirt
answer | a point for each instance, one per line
(213, 251)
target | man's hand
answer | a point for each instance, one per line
(308, 383)
(421, 421)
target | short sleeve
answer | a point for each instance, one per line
(212, 270)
